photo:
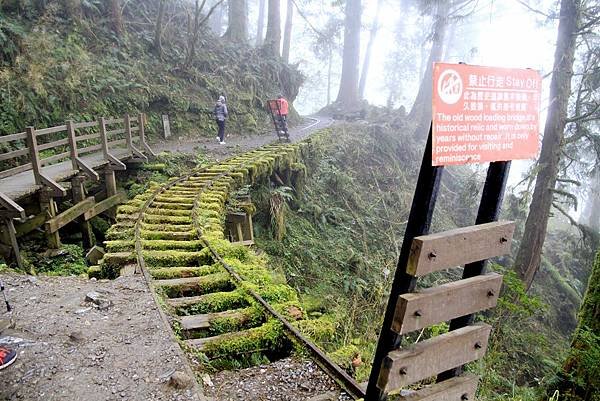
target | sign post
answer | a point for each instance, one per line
(480, 114)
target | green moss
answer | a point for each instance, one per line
(215, 302)
(243, 319)
(177, 258)
(320, 330)
(196, 285)
(269, 336)
(181, 272)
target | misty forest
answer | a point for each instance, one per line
(300, 200)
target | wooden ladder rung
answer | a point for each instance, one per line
(435, 252)
(456, 389)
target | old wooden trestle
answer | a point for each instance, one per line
(41, 166)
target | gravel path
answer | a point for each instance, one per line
(238, 144)
(288, 379)
(71, 349)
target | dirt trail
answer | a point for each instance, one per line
(71, 349)
(238, 144)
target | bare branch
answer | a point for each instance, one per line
(574, 182)
(527, 6)
(566, 195)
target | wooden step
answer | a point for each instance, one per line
(202, 322)
(178, 287)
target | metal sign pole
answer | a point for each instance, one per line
(419, 222)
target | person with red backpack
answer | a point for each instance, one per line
(7, 356)
(282, 110)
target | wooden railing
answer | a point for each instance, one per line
(35, 149)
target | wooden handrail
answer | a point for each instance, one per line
(13, 137)
(13, 154)
(51, 130)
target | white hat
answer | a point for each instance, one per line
(222, 99)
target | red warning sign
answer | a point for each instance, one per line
(484, 114)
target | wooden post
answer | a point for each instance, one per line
(111, 188)
(128, 138)
(48, 205)
(34, 155)
(78, 193)
(72, 144)
(12, 233)
(103, 138)
(143, 144)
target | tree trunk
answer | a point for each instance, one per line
(348, 95)
(73, 9)
(591, 211)
(329, 72)
(421, 109)
(287, 33)
(260, 30)
(216, 20)
(528, 258)
(158, 29)
(116, 17)
(365, 69)
(193, 28)
(273, 36)
(238, 21)
(579, 379)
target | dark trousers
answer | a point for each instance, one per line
(221, 125)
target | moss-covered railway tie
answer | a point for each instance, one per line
(220, 298)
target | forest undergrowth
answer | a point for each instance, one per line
(339, 246)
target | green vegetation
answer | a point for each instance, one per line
(55, 65)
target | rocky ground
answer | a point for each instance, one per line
(288, 379)
(112, 346)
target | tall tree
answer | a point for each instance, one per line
(367, 61)
(116, 16)
(348, 94)
(421, 111)
(580, 378)
(237, 30)
(195, 21)
(216, 20)
(260, 24)
(273, 36)
(287, 33)
(528, 257)
(159, 28)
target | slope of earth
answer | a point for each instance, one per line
(70, 349)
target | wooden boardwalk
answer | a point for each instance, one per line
(36, 165)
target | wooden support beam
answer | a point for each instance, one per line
(34, 155)
(415, 311)
(48, 206)
(428, 358)
(106, 204)
(114, 163)
(13, 243)
(72, 144)
(136, 153)
(145, 147)
(55, 188)
(111, 188)
(61, 220)
(13, 209)
(78, 193)
(87, 169)
(435, 252)
(459, 388)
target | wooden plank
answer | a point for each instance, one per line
(106, 204)
(69, 215)
(87, 137)
(118, 142)
(415, 311)
(51, 130)
(116, 131)
(72, 144)
(34, 154)
(435, 252)
(13, 137)
(13, 154)
(15, 170)
(85, 124)
(112, 121)
(55, 158)
(14, 244)
(87, 169)
(54, 144)
(90, 149)
(12, 206)
(199, 322)
(53, 186)
(459, 388)
(431, 357)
